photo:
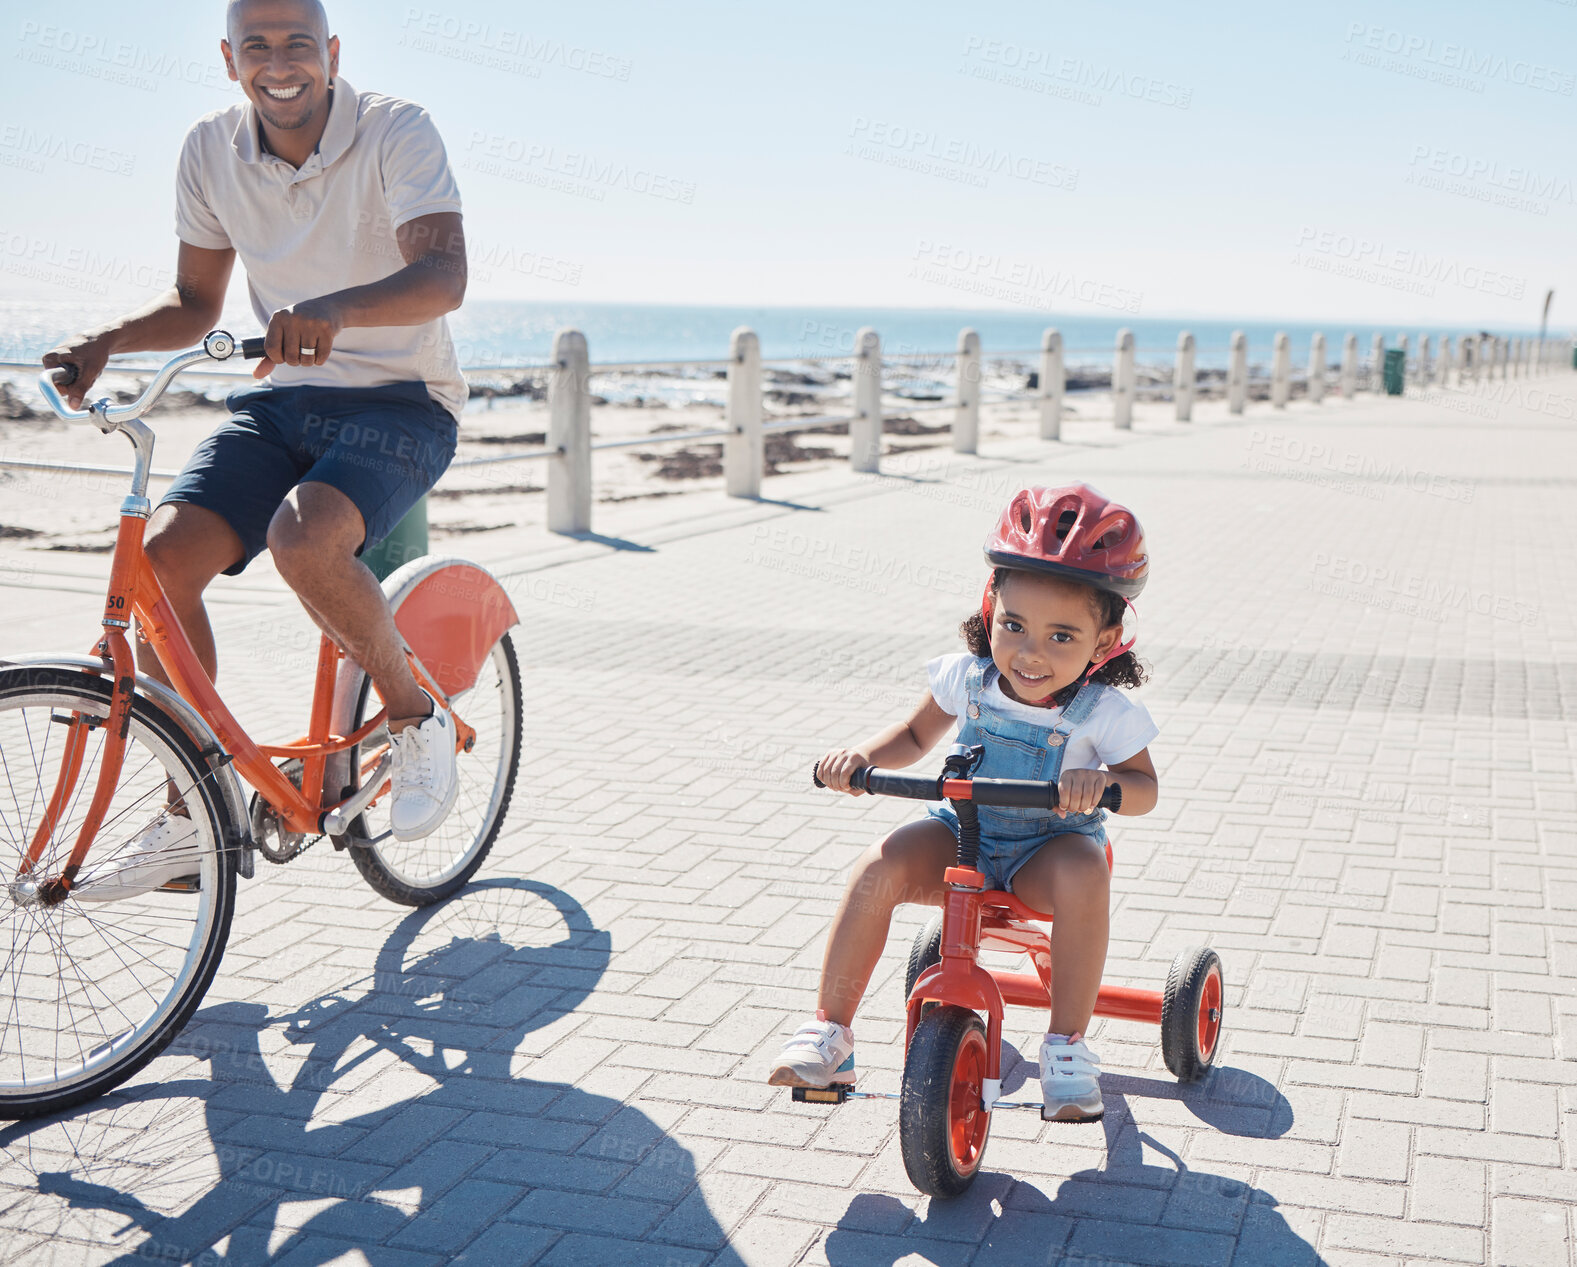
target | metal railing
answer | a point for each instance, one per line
(570, 443)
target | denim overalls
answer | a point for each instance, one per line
(1019, 750)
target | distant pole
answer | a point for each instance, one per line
(1123, 380)
(1424, 363)
(1317, 368)
(1544, 326)
(865, 432)
(1237, 373)
(1053, 379)
(1183, 378)
(569, 434)
(966, 418)
(1377, 381)
(1349, 366)
(743, 447)
(1280, 371)
(1443, 364)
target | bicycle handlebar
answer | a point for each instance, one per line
(218, 345)
(1014, 793)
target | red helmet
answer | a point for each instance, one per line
(1075, 532)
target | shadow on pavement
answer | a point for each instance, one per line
(334, 1125)
(1127, 1211)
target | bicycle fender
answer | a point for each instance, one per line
(451, 611)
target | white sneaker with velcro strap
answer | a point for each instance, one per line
(1069, 1080)
(820, 1054)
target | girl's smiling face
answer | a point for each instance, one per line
(1044, 632)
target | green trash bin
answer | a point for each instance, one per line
(408, 541)
(1395, 370)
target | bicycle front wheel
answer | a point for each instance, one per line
(420, 872)
(93, 988)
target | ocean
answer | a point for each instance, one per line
(512, 333)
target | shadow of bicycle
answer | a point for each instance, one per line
(436, 1103)
(1129, 1210)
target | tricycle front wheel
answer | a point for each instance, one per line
(942, 1120)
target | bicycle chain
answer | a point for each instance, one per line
(266, 826)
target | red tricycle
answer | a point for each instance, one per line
(952, 1075)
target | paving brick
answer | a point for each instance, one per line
(1447, 1190)
(1414, 1240)
(1374, 1150)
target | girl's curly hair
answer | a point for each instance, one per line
(1124, 670)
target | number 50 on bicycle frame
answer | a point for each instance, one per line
(95, 984)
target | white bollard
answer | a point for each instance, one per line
(966, 419)
(865, 432)
(1053, 381)
(1401, 342)
(1237, 373)
(1377, 354)
(1443, 363)
(1425, 365)
(1123, 380)
(1502, 355)
(1183, 377)
(1280, 371)
(744, 448)
(1349, 366)
(1317, 368)
(1464, 356)
(569, 432)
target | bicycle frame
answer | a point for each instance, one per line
(134, 591)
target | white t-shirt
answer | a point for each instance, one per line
(1115, 730)
(327, 226)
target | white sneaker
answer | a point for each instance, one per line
(1069, 1080)
(169, 848)
(422, 778)
(820, 1054)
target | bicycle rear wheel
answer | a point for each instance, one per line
(420, 872)
(92, 990)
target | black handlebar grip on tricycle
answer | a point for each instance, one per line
(66, 374)
(815, 775)
(253, 349)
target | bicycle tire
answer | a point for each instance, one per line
(942, 1127)
(391, 866)
(126, 942)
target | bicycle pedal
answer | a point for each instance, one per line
(837, 1093)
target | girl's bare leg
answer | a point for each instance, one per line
(1068, 877)
(906, 866)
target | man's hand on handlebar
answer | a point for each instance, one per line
(838, 766)
(1079, 791)
(302, 334)
(87, 355)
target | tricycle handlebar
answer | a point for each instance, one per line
(1015, 793)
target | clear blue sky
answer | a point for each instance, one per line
(1272, 161)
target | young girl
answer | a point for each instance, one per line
(1035, 690)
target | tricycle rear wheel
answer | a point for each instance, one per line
(942, 1121)
(1191, 1009)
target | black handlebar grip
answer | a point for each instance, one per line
(1112, 797)
(66, 374)
(252, 349)
(815, 775)
(860, 780)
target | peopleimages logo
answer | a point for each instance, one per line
(1421, 268)
(1460, 60)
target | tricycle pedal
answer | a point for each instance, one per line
(837, 1093)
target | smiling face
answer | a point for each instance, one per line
(1044, 632)
(282, 55)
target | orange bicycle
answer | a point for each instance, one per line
(96, 986)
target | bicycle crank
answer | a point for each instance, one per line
(274, 840)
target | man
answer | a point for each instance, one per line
(346, 217)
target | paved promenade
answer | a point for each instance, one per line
(1362, 629)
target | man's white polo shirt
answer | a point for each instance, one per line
(327, 226)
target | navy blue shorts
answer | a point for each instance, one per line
(383, 447)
